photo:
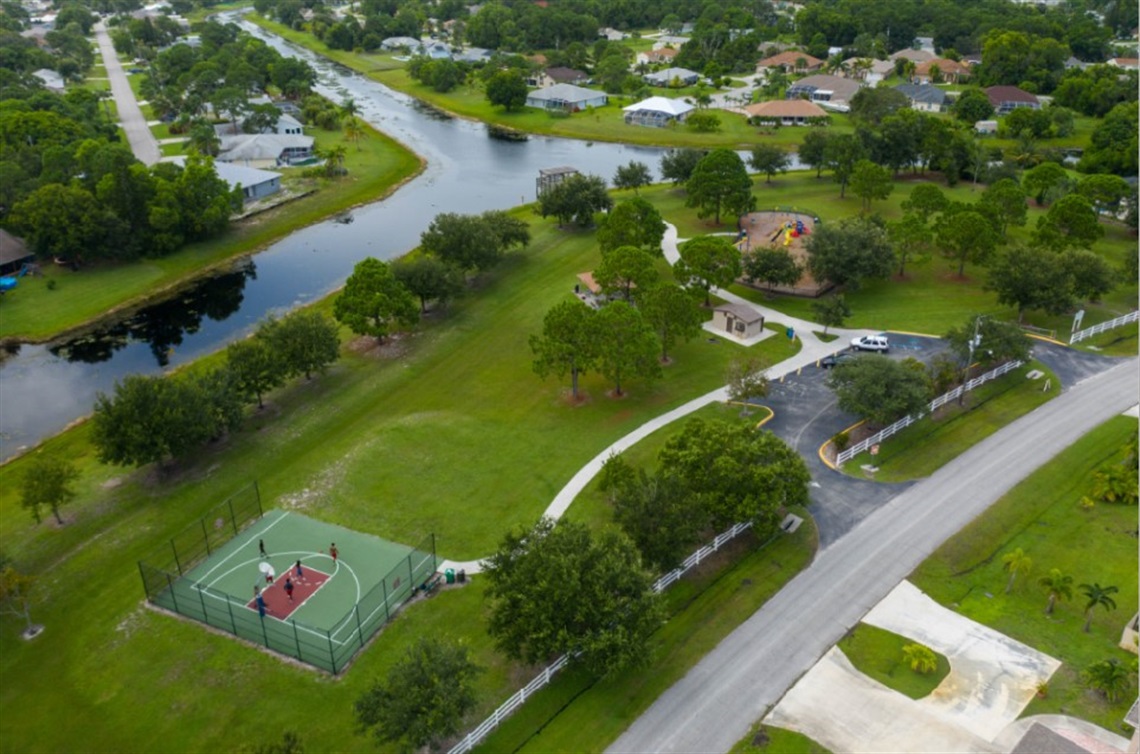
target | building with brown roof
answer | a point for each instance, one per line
(949, 71)
(914, 56)
(1006, 99)
(791, 61)
(653, 57)
(786, 112)
(14, 252)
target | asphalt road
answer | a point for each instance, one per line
(139, 135)
(714, 705)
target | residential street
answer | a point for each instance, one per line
(139, 135)
(715, 704)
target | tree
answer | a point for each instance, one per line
(625, 268)
(1031, 278)
(1045, 183)
(354, 131)
(995, 342)
(707, 262)
(831, 311)
(634, 222)
(672, 313)
(773, 265)
(738, 473)
(1097, 595)
(256, 367)
(1017, 563)
(746, 379)
(568, 345)
(575, 200)
(879, 389)
(1090, 275)
(305, 342)
(677, 165)
(925, 200)
(720, 182)
(429, 278)
(424, 696)
(508, 89)
(871, 105)
(849, 252)
(703, 121)
(841, 154)
(1071, 222)
(920, 658)
(769, 160)
(558, 589)
(373, 302)
(971, 106)
(632, 176)
(965, 236)
(64, 222)
(659, 515)
(1106, 192)
(1007, 199)
(813, 150)
(626, 343)
(871, 182)
(1109, 677)
(1113, 147)
(1059, 586)
(468, 242)
(47, 481)
(16, 594)
(911, 239)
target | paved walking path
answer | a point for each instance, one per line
(131, 119)
(715, 704)
(813, 349)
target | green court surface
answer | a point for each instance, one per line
(355, 595)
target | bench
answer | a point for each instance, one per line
(431, 583)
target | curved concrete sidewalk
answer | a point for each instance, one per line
(813, 349)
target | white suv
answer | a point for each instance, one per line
(871, 343)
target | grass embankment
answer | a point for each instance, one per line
(1041, 516)
(878, 654)
(765, 739)
(926, 446)
(576, 713)
(36, 311)
(454, 436)
(599, 124)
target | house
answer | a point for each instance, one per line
(612, 35)
(673, 76)
(950, 71)
(1006, 99)
(790, 61)
(669, 40)
(867, 70)
(832, 92)
(436, 51)
(914, 56)
(474, 55)
(738, 320)
(924, 97)
(1072, 62)
(254, 183)
(551, 177)
(286, 125)
(14, 253)
(559, 75)
(654, 57)
(566, 97)
(50, 79)
(786, 112)
(410, 44)
(986, 127)
(926, 44)
(265, 150)
(657, 111)
(1128, 64)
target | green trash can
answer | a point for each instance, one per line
(449, 574)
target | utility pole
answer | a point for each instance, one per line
(974, 342)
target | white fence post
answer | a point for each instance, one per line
(1103, 327)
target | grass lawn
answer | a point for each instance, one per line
(1118, 342)
(576, 714)
(36, 312)
(161, 131)
(924, 447)
(1042, 517)
(396, 446)
(765, 739)
(878, 653)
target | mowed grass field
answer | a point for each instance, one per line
(446, 431)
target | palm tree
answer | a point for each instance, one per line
(204, 140)
(1016, 562)
(1108, 677)
(1098, 595)
(1059, 586)
(354, 132)
(348, 107)
(334, 160)
(920, 658)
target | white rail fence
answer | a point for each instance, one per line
(941, 400)
(472, 739)
(1088, 332)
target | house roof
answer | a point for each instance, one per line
(12, 248)
(664, 52)
(1126, 62)
(926, 93)
(669, 74)
(843, 89)
(411, 42)
(946, 65)
(50, 78)
(786, 108)
(566, 93)
(260, 146)
(587, 279)
(918, 56)
(674, 107)
(235, 174)
(741, 311)
(1000, 94)
(562, 74)
(789, 58)
(877, 66)
(1041, 740)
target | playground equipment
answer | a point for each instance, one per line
(790, 230)
(8, 282)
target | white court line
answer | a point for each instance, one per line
(294, 625)
(260, 534)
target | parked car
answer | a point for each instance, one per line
(871, 343)
(843, 357)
